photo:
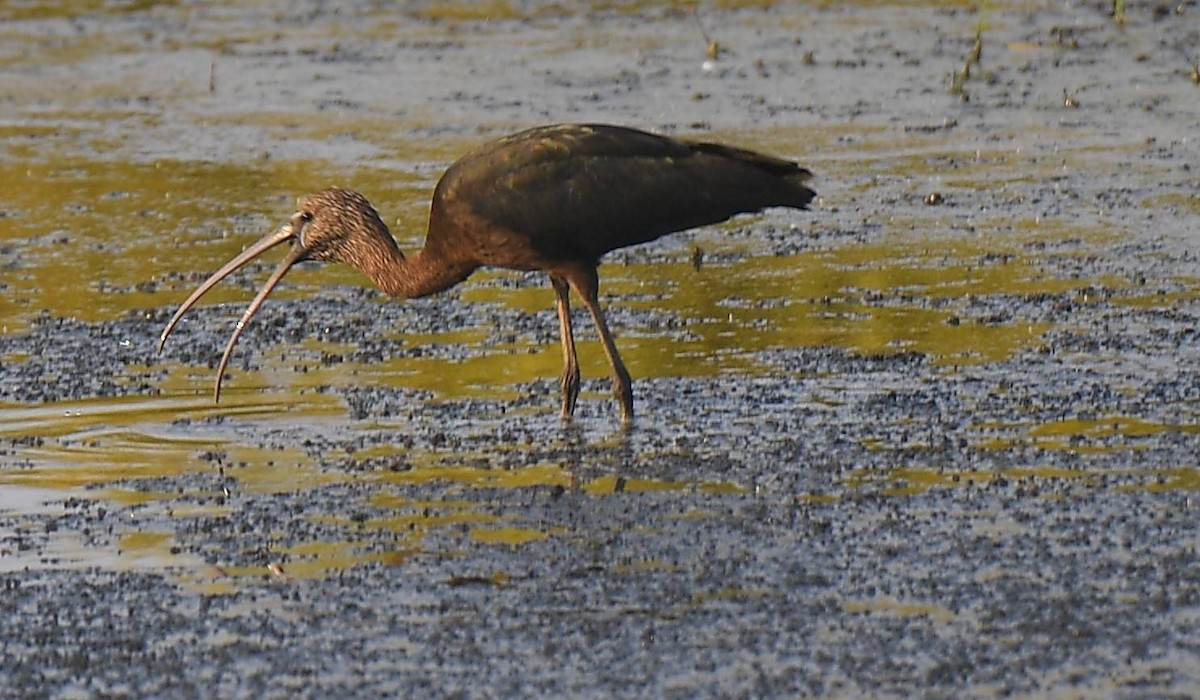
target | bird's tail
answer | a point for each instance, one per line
(802, 193)
(795, 192)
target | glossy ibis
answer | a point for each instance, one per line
(553, 198)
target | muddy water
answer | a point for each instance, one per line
(888, 447)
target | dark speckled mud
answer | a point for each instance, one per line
(936, 438)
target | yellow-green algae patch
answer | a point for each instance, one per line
(521, 477)
(1079, 434)
(513, 536)
(899, 608)
(1105, 427)
(910, 481)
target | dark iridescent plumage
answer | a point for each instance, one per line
(554, 198)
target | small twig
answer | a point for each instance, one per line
(712, 47)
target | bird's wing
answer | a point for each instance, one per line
(575, 192)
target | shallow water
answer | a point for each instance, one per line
(954, 443)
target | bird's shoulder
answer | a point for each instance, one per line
(554, 152)
(559, 141)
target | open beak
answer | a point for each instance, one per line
(285, 233)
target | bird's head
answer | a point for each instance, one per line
(333, 225)
(336, 225)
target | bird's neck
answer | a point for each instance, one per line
(417, 275)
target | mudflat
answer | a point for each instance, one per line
(937, 437)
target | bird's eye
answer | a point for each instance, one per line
(306, 216)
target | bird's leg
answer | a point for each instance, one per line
(570, 375)
(587, 286)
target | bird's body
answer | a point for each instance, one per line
(554, 198)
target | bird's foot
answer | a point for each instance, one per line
(624, 393)
(570, 391)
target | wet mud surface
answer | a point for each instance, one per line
(886, 448)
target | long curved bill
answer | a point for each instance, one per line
(282, 235)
